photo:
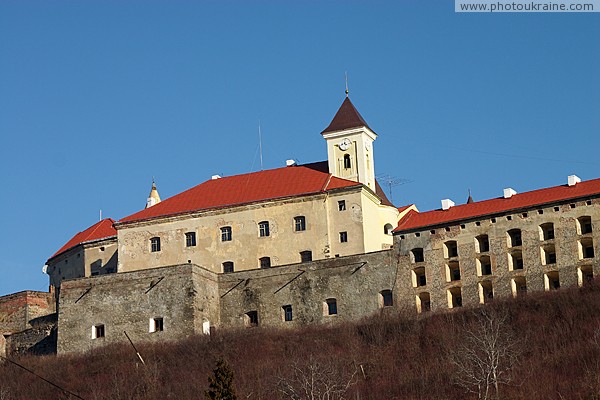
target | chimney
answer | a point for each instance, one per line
(447, 203)
(290, 163)
(573, 180)
(509, 192)
(215, 177)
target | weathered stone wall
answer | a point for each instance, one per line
(569, 266)
(179, 295)
(40, 339)
(354, 281)
(18, 309)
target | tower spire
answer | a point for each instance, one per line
(153, 197)
(347, 91)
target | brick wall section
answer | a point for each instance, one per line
(18, 309)
(181, 295)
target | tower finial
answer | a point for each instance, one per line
(347, 84)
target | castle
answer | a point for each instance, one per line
(310, 244)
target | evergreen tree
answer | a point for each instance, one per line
(221, 383)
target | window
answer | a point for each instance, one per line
(156, 325)
(548, 255)
(419, 278)
(226, 234)
(585, 275)
(343, 237)
(423, 302)
(330, 307)
(251, 318)
(484, 266)
(265, 262)
(386, 298)
(299, 224)
(190, 239)
(306, 256)
(287, 313)
(227, 267)
(482, 243)
(519, 286)
(387, 229)
(586, 248)
(584, 225)
(342, 205)
(453, 271)
(155, 244)
(486, 292)
(551, 280)
(347, 162)
(97, 331)
(547, 231)
(263, 228)
(515, 260)
(454, 297)
(417, 255)
(450, 249)
(514, 238)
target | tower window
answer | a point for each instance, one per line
(157, 324)
(330, 307)
(251, 318)
(190, 239)
(287, 313)
(226, 234)
(263, 228)
(155, 244)
(300, 223)
(97, 331)
(347, 162)
(386, 298)
(342, 205)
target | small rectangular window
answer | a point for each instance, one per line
(226, 234)
(155, 244)
(98, 331)
(343, 237)
(156, 324)
(331, 307)
(287, 313)
(251, 318)
(227, 267)
(387, 298)
(299, 223)
(265, 262)
(306, 256)
(190, 239)
(263, 229)
(342, 205)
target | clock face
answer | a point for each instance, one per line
(345, 144)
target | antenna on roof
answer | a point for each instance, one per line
(100, 214)
(391, 181)
(347, 84)
(260, 145)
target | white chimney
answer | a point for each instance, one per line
(290, 163)
(215, 177)
(447, 203)
(573, 180)
(509, 192)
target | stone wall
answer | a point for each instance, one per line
(183, 297)
(570, 266)
(40, 339)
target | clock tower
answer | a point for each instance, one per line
(350, 146)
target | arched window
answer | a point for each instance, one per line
(347, 162)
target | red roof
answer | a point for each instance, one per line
(347, 117)
(100, 230)
(415, 219)
(247, 188)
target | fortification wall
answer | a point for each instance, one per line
(97, 311)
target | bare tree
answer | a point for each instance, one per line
(317, 380)
(484, 358)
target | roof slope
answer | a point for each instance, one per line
(347, 117)
(414, 220)
(247, 188)
(100, 230)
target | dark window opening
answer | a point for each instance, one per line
(342, 205)
(347, 162)
(387, 298)
(331, 306)
(287, 313)
(251, 318)
(418, 255)
(226, 234)
(306, 256)
(190, 239)
(227, 267)
(263, 229)
(265, 262)
(155, 244)
(299, 223)
(343, 237)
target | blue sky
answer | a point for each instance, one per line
(97, 97)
